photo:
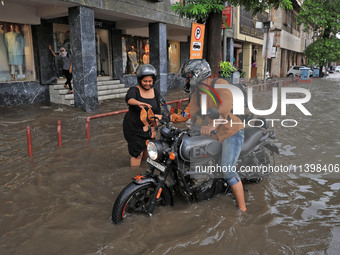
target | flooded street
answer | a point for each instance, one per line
(60, 200)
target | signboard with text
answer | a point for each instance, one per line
(248, 23)
(197, 40)
(227, 15)
(267, 49)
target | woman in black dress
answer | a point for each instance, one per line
(143, 96)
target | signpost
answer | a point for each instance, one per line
(197, 41)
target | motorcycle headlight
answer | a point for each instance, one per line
(154, 149)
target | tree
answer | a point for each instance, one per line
(209, 12)
(323, 18)
(324, 48)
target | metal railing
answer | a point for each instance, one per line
(88, 119)
(272, 82)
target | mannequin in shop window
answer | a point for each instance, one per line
(133, 63)
(146, 57)
(124, 59)
(4, 71)
(15, 43)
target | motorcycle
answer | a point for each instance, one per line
(174, 157)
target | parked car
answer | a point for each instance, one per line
(296, 70)
(337, 69)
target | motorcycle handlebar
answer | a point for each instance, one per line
(196, 130)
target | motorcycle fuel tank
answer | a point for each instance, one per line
(198, 147)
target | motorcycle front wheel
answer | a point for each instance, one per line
(135, 199)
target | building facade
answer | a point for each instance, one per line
(106, 38)
(245, 41)
(289, 41)
(112, 38)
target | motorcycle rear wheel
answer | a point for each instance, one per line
(135, 199)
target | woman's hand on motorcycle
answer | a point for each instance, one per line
(153, 132)
(150, 129)
(165, 118)
(207, 130)
(144, 105)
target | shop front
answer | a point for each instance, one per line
(136, 50)
(18, 67)
(248, 43)
(102, 42)
(61, 38)
(16, 52)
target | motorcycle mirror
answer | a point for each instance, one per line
(213, 113)
(162, 100)
(163, 103)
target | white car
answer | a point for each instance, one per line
(337, 69)
(296, 70)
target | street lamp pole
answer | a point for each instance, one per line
(266, 62)
(267, 24)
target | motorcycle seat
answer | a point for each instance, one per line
(251, 137)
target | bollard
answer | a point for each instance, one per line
(29, 141)
(88, 128)
(60, 143)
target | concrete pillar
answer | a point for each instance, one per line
(260, 61)
(285, 62)
(84, 63)
(247, 53)
(158, 54)
(117, 53)
(276, 63)
(43, 36)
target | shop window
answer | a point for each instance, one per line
(16, 55)
(136, 51)
(174, 56)
(102, 52)
(61, 35)
(61, 38)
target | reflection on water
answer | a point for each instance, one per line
(60, 201)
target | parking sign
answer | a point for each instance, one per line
(197, 40)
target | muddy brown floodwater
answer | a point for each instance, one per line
(60, 201)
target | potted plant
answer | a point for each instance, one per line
(243, 74)
(226, 70)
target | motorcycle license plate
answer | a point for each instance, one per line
(155, 164)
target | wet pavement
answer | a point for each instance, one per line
(60, 200)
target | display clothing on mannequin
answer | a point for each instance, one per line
(124, 59)
(133, 63)
(15, 43)
(4, 70)
(146, 57)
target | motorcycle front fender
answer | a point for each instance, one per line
(140, 179)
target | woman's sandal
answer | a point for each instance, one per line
(144, 117)
(70, 92)
(151, 117)
(65, 86)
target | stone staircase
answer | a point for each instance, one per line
(107, 89)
